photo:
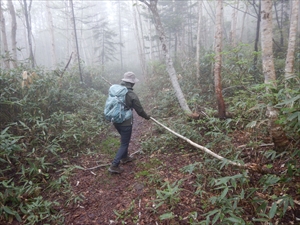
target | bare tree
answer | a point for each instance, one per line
(198, 41)
(234, 23)
(51, 29)
(120, 34)
(29, 33)
(13, 33)
(4, 38)
(152, 5)
(278, 136)
(243, 22)
(139, 36)
(290, 57)
(218, 61)
(76, 39)
(280, 18)
(256, 42)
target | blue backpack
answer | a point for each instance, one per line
(115, 109)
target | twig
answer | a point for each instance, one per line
(136, 152)
(95, 167)
(66, 65)
(140, 214)
(262, 145)
(106, 80)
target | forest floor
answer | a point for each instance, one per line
(131, 197)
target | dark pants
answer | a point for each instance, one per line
(125, 132)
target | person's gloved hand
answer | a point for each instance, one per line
(148, 117)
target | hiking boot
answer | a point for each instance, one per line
(127, 159)
(115, 169)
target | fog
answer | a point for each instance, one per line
(119, 35)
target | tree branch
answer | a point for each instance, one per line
(251, 166)
(145, 2)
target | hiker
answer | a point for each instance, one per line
(125, 128)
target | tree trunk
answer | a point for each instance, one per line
(4, 38)
(76, 40)
(138, 38)
(28, 25)
(150, 39)
(258, 11)
(218, 61)
(243, 22)
(120, 34)
(143, 57)
(278, 136)
(71, 45)
(233, 24)
(190, 31)
(50, 22)
(103, 51)
(169, 63)
(290, 56)
(13, 33)
(198, 75)
(279, 21)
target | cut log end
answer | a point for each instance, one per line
(194, 116)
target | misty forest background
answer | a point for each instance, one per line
(216, 71)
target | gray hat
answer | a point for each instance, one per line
(130, 77)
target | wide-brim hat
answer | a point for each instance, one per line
(130, 77)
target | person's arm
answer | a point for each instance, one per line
(136, 104)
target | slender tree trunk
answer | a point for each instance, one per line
(76, 40)
(256, 42)
(243, 22)
(266, 43)
(13, 33)
(50, 22)
(169, 63)
(28, 25)
(71, 41)
(233, 23)
(4, 38)
(120, 35)
(279, 21)
(218, 61)
(150, 39)
(143, 57)
(290, 57)
(151, 54)
(278, 136)
(190, 31)
(103, 51)
(138, 38)
(198, 75)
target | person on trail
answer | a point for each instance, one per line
(125, 129)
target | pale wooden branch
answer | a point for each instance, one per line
(106, 80)
(262, 145)
(199, 146)
(136, 152)
(95, 167)
(251, 166)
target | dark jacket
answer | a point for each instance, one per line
(132, 101)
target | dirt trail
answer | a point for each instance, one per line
(105, 193)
